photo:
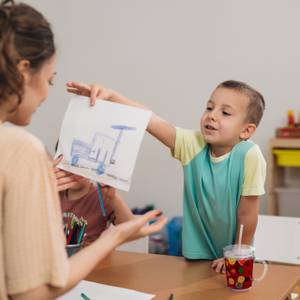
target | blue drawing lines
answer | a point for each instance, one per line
(121, 129)
(100, 153)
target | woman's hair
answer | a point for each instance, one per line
(24, 35)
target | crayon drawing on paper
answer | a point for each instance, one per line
(102, 142)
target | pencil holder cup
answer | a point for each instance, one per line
(73, 248)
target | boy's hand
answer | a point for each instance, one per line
(93, 91)
(158, 127)
(219, 265)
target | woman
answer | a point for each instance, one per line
(33, 261)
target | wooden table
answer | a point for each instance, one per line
(162, 275)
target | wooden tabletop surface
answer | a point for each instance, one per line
(162, 275)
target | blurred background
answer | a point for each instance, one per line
(170, 55)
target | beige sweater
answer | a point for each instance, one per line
(31, 237)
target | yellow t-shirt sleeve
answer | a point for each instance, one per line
(188, 144)
(254, 172)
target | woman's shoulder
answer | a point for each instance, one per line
(19, 139)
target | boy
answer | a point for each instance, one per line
(224, 173)
(79, 197)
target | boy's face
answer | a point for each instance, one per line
(224, 122)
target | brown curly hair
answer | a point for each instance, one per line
(25, 34)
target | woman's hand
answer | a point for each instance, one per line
(135, 228)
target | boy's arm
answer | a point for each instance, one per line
(247, 215)
(158, 127)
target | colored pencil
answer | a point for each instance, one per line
(101, 200)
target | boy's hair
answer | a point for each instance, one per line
(25, 34)
(256, 105)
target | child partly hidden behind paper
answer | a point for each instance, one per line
(224, 172)
(79, 198)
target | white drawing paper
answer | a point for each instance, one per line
(97, 291)
(102, 142)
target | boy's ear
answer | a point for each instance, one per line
(248, 131)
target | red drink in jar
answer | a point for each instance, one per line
(239, 261)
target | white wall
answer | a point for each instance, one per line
(170, 55)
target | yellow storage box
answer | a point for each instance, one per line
(287, 157)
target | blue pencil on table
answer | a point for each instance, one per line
(101, 200)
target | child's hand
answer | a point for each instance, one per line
(64, 180)
(93, 91)
(219, 265)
